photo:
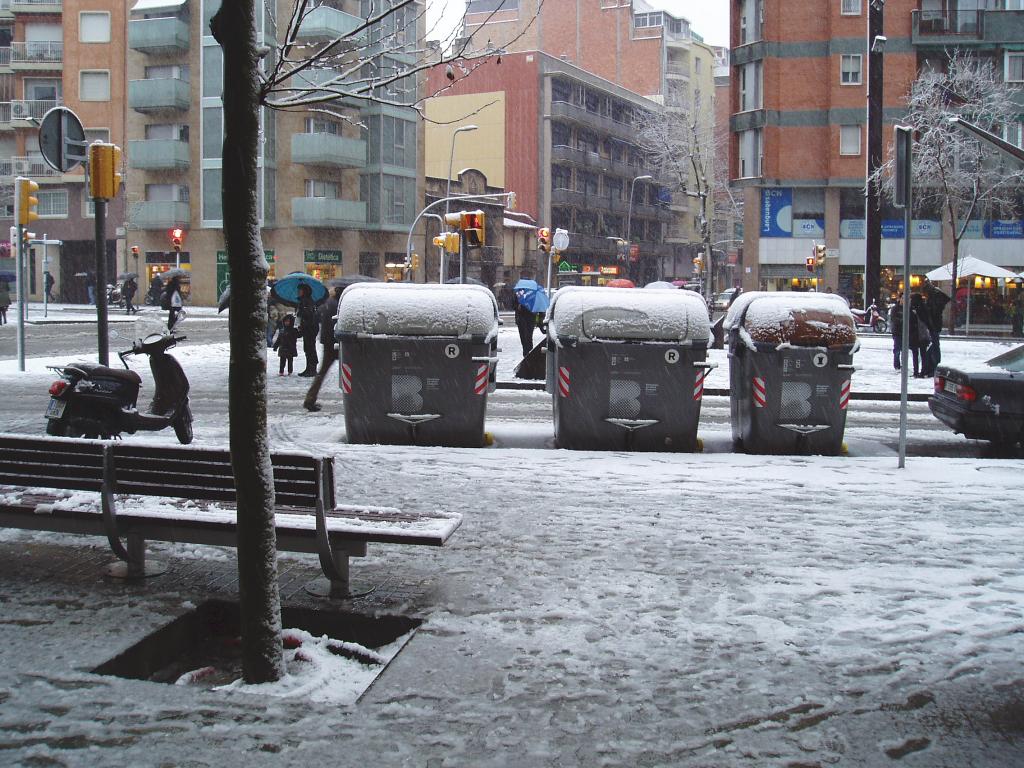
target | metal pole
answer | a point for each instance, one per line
(873, 215)
(905, 349)
(101, 281)
(46, 268)
(462, 259)
(551, 260)
(19, 265)
(451, 159)
(421, 214)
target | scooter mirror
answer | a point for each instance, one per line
(153, 338)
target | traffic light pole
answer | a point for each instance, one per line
(102, 335)
(19, 265)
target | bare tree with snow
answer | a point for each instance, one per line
(954, 173)
(680, 141)
(380, 59)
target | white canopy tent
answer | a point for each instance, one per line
(970, 266)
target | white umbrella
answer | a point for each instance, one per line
(967, 267)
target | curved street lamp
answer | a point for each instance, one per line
(451, 159)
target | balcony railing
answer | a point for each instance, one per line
(968, 23)
(159, 154)
(5, 56)
(677, 68)
(604, 124)
(160, 94)
(158, 36)
(326, 23)
(158, 214)
(328, 149)
(34, 167)
(328, 213)
(40, 54)
(36, 6)
(12, 112)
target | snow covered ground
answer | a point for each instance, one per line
(593, 609)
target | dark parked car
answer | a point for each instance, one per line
(983, 404)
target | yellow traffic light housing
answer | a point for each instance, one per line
(544, 239)
(104, 170)
(449, 241)
(811, 264)
(415, 261)
(27, 238)
(698, 263)
(25, 201)
(453, 219)
(819, 253)
(472, 224)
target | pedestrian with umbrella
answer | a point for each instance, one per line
(328, 311)
(128, 290)
(531, 300)
(309, 328)
(170, 299)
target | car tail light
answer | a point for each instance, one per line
(966, 393)
(58, 387)
(940, 385)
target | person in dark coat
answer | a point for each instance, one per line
(309, 328)
(128, 294)
(90, 286)
(920, 333)
(327, 314)
(5, 301)
(896, 329)
(935, 305)
(526, 319)
(48, 282)
(171, 301)
(156, 291)
(285, 343)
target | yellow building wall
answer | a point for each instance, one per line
(483, 149)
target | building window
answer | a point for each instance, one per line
(212, 198)
(849, 139)
(369, 264)
(172, 131)
(94, 85)
(697, 62)
(751, 76)
(53, 203)
(322, 125)
(319, 188)
(849, 69)
(166, 193)
(168, 71)
(97, 134)
(93, 27)
(43, 89)
(850, 8)
(213, 72)
(750, 153)
(646, 20)
(1015, 67)
(751, 20)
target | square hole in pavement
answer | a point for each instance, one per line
(203, 648)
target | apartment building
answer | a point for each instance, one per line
(799, 132)
(337, 191)
(628, 44)
(70, 53)
(564, 140)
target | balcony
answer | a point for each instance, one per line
(168, 35)
(568, 197)
(33, 167)
(944, 28)
(42, 55)
(159, 154)
(158, 214)
(15, 114)
(679, 68)
(328, 213)
(159, 95)
(567, 154)
(5, 57)
(36, 6)
(5, 9)
(326, 23)
(328, 149)
(603, 124)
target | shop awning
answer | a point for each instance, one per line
(155, 6)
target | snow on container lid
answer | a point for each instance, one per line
(800, 319)
(591, 313)
(407, 309)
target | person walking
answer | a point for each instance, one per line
(309, 328)
(920, 333)
(327, 314)
(171, 301)
(285, 342)
(935, 305)
(48, 282)
(5, 301)
(526, 318)
(896, 329)
(90, 286)
(128, 290)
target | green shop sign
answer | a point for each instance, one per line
(322, 257)
(224, 271)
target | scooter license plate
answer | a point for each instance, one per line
(56, 408)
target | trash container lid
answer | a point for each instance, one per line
(408, 309)
(801, 319)
(591, 314)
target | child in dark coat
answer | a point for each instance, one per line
(285, 343)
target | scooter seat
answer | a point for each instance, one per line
(123, 374)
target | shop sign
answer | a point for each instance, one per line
(322, 257)
(856, 229)
(808, 227)
(588, 267)
(1004, 230)
(852, 229)
(892, 228)
(777, 213)
(609, 270)
(565, 266)
(975, 229)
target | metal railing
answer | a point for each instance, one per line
(33, 4)
(12, 111)
(37, 52)
(949, 22)
(25, 166)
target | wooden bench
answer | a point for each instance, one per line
(41, 480)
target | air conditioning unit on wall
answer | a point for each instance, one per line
(20, 109)
(21, 166)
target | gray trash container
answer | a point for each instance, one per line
(417, 362)
(626, 368)
(790, 370)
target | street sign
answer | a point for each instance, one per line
(62, 140)
(561, 240)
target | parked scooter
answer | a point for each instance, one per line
(113, 295)
(870, 318)
(91, 400)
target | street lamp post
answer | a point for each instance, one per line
(629, 211)
(451, 159)
(872, 214)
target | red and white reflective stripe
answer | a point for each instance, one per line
(844, 395)
(760, 393)
(698, 384)
(563, 381)
(346, 378)
(480, 383)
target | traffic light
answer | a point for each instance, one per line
(544, 239)
(135, 251)
(415, 261)
(472, 224)
(27, 238)
(698, 263)
(819, 253)
(104, 170)
(177, 235)
(811, 264)
(449, 241)
(25, 201)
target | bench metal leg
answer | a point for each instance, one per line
(334, 585)
(136, 566)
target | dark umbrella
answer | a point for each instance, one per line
(224, 300)
(127, 275)
(170, 274)
(467, 281)
(286, 289)
(346, 280)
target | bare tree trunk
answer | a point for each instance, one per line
(262, 659)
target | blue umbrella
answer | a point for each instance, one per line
(531, 295)
(286, 289)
